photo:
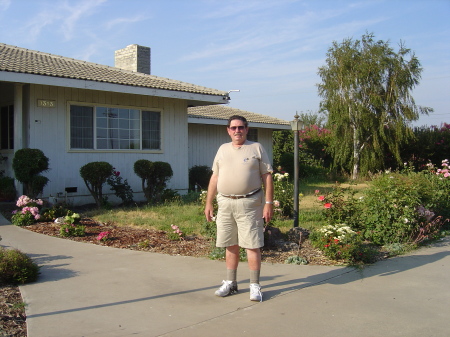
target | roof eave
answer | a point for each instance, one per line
(215, 121)
(193, 99)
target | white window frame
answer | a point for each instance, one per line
(94, 126)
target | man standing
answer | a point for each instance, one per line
(239, 170)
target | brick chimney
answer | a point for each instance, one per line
(134, 58)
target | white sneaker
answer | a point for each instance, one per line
(227, 288)
(255, 292)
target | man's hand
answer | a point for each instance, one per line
(268, 212)
(209, 212)
(212, 191)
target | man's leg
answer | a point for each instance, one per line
(254, 264)
(229, 286)
(232, 257)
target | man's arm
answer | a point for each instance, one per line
(212, 191)
(268, 187)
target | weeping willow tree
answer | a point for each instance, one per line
(366, 93)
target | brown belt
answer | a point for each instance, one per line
(234, 196)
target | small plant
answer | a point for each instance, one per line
(72, 226)
(16, 267)
(283, 195)
(120, 187)
(209, 229)
(69, 230)
(28, 212)
(202, 198)
(177, 233)
(103, 236)
(340, 242)
(73, 218)
(397, 248)
(144, 244)
(296, 260)
(56, 211)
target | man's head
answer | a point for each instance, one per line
(234, 117)
(237, 128)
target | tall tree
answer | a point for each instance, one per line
(366, 93)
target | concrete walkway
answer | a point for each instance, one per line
(92, 290)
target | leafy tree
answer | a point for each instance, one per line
(154, 176)
(283, 141)
(95, 175)
(366, 93)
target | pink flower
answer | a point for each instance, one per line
(327, 205)
(316, 192)
(321, 197)
(102, 236)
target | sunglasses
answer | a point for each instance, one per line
(240, 128)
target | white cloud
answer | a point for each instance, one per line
(77, 12)
(4, 5)
(122, 21)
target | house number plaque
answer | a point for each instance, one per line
(46, 103)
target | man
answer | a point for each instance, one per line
(239, 170)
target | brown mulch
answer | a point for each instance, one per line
(12, 312)
(158, 241)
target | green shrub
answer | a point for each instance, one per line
(16, 267)
(154, 176)
(95, 175)
(27, 165)
(341, 206)
(435, 187)
(390, 209)
(7, 189)
(283, 195)
(340, 242)
(28, 213)
(56, 211)
(199, 176)
(19, 219)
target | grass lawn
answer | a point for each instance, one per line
(190, 218)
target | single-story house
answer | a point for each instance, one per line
(78, 112)
(207, 131)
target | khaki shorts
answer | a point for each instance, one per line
(240, 221)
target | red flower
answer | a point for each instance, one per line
(321, 197)
(327, 205)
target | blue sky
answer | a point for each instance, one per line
(269, 50)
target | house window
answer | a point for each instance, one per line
(7, 127)
(252, 135)
(106, 128)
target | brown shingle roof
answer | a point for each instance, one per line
(224, 112)
(20, 60)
